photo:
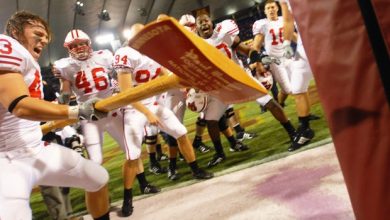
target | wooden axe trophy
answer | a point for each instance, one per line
(195, 64)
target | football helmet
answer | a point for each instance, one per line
(196, 101)
(78, 44)
(188, 21)
(266, 79)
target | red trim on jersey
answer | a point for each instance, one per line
(232, 31)
(219, 28)
(11, 57)
(12, 63)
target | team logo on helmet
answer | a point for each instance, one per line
(78, 44)
(196, 101)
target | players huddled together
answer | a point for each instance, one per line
(89, 76)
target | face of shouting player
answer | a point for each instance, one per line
(34, 38)
(204, 26)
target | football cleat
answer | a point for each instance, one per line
(216, 160)
(79, 149)
(238, 147)
(202, 175)
(301, 138)
(156, 168)
(173, 174)
(292, 136)
(150, 189)
(201, 147)
(127, 208)
(245, 136)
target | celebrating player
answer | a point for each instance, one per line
(293, 75)
(86, 73)
(24, 161)
(134, 69)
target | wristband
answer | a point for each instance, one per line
(254, 56)
(73, 112)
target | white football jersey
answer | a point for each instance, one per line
(273, 35)
(142, 68)
(223, 37)
(16, 132)
(89, 78)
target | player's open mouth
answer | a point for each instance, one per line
(37, 50)
(205, 29)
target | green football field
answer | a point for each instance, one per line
(271, 140)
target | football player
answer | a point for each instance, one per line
(224, 37)
(189, 22)
(24, 161)
(153, 147)
(133, 69)
(293, 75)
(86, 73)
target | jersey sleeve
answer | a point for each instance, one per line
(126, 59)
(108, 59)
(61, 65)
(13, 57)
(228, 27)
(227, 31)
(259, 27)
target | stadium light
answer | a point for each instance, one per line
(104, 38)
(78, 8)
(231, 10)
(126, 33)
(104, 15)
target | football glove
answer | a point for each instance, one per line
(88, 112)
(255, 56)
(64, 98)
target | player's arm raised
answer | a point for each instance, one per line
(288, 29)
(288, 21)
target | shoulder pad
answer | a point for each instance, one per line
(258, 26)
